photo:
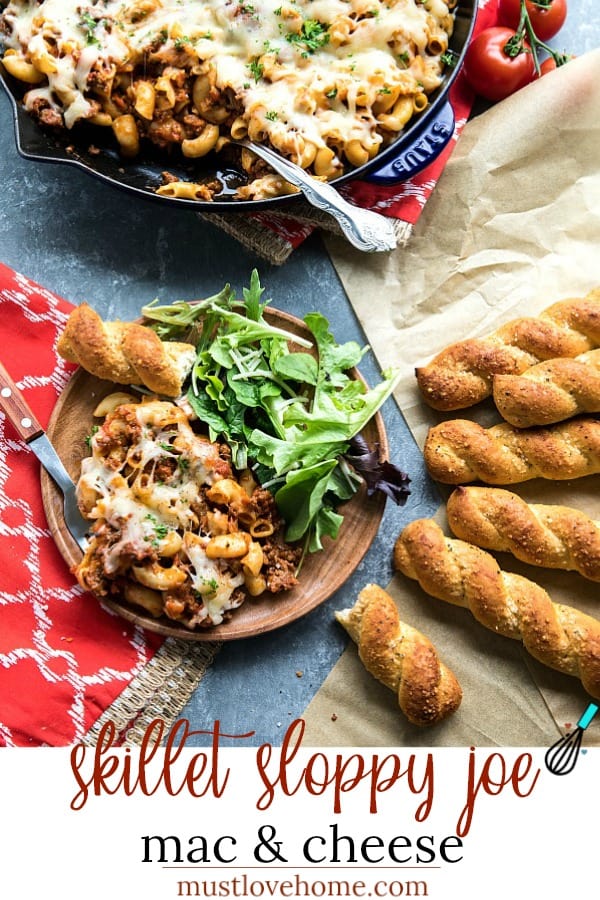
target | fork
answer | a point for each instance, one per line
(365, 229)
(32, 433)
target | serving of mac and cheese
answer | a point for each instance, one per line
(327, 83)
(175, 531)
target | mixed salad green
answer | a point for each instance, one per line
(292, 415)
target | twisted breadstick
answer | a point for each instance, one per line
(461, 375)
(550, 391)
(556, 537)
(401, 658)
(125, 352)
(459, 451)
(558, 636)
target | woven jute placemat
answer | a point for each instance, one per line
(159, 691)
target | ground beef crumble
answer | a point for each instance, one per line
(280, 563)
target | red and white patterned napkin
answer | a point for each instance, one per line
(63, 659)
(274, 236)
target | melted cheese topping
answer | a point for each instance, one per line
(322, 69)
(214, 585)
(144, 509)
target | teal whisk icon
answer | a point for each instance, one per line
(560, 759)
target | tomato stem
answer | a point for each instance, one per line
(524, 30)
(533, 40)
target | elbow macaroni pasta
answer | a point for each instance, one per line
(328, 83)
(175, 532)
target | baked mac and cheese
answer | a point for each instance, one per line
(327, 83)
(175, 531)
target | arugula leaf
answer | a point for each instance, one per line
(207, 412)
(174, 319)
(252, 295)
(301, 367)
(252, 393)
(327, 523)
(343, 420)
(344, 481)
(282, 456)
(332, 354)
(301, 497)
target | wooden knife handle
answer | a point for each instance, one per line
(16, 408)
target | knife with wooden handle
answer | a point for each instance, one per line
(31, 432)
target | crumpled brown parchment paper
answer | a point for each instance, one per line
(513, 226)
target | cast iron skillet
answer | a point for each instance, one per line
(414, 149)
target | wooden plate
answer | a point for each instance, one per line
(322, 573)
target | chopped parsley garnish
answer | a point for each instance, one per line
(160, 530)
(88, 25)
(256, 69)
(332, 94)
(211, 583)
(312, 36)
(88, 439)
(271, 115)
(450, 58)
(404, 59)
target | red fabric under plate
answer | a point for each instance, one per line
(63, 659)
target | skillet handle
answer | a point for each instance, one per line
(426, 147)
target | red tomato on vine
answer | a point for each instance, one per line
(550, 64)
(493, 71)
(547, 16)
